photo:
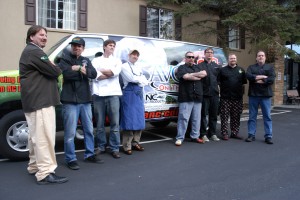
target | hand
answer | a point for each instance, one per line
(259, 77)
(83, 70)
(75, 67)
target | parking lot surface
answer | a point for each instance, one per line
(220, 170)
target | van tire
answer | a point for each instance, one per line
(160, 124)
(14, 136)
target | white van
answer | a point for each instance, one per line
(159, 60)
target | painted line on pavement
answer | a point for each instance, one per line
(168, 138)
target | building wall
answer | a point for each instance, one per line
(113, 17)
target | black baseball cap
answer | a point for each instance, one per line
(78, 40)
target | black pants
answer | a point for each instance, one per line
(210, 107)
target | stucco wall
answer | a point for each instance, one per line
(113, 17)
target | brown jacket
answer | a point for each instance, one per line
(38, 79)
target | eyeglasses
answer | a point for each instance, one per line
(209, 52)
(190, 57)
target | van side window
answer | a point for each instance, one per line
(92, 46)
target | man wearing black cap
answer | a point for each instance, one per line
(76, 99)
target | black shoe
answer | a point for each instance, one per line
(235, 136)
(98, 152)
(250, 139)
(268, 141)
(52, 179)
(94, 159)
(115, 154)
(73, 165)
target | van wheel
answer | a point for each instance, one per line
(160, 124)
(14, 136)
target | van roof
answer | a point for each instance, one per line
(147, 38)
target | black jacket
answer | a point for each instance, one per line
(260, 90)
(189, 91)
(76, 87)
(210, 82)
(231, 81)
(38, 79)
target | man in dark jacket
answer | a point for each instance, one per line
(76, 98)
(261, 77)
(210, 102)
(39, 95)
(231, 80)
(190, 98)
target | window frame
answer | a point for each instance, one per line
(54, 16)
(234, 38)
(239, 38)
(30, 18)
(177, 31)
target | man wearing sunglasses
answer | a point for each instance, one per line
(210, 97)
(190, 99)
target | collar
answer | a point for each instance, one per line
(36, 45)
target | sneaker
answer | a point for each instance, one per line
(73, 165)
(214, 138)
(250, 139)
(205, 139)
(178, 142)
(268, 140)
(225, 137)
(236, 136)
(94, 159)
(197, 140)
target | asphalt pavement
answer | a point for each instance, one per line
(229, 170)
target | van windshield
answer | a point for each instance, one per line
(54, 47)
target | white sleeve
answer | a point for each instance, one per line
(116, 70)
(95, 63)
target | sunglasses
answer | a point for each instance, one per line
(190, 57)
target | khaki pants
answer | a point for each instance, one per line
(131, 138)
(41, 142)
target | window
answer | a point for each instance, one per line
(233, 38)
(92, 46)
(57, 14)
(236, 38)
(159, 23)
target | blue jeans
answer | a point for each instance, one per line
(265, 104)
(109, 105)
(71, 113)
(192, 111)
